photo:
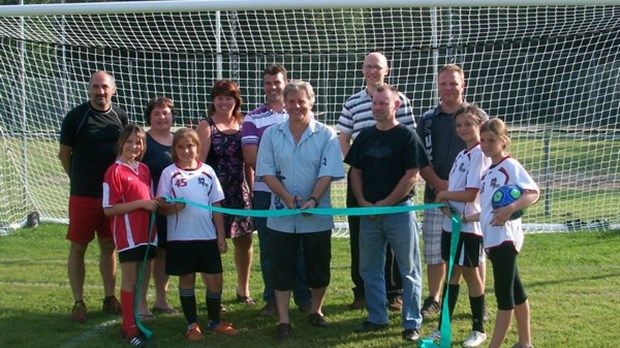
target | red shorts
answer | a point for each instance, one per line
(85, 217)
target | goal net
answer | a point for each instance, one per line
(551, 72)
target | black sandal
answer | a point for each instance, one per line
(247, 300)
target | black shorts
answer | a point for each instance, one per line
(316, 248)
(161, 223)
(196, 256)
(136, 254)
(470, 243)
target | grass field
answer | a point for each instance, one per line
(573, 282)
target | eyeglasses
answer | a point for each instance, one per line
(374, 67)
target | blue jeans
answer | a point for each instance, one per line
(401, 231)
(301, 292)
(393, 282)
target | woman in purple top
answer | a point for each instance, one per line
(220, 135)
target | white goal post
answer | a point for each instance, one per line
(550, 69)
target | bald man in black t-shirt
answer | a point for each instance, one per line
(88, 138)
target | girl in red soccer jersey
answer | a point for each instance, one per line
(503, 238)
(462, 197)
(128, 199)
(196, 236)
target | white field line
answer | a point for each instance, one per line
(80, 341)
(46, 285)
(48, 261)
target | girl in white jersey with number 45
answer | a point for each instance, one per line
(195, 236)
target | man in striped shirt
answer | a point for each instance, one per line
(356, 116)
(254, 125)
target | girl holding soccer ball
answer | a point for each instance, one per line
(128, 199)
(503, 238)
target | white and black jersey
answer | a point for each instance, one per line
(198, 185)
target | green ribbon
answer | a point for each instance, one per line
(446, 334)
(444, 329)
(314, 211)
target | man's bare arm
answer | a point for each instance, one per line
(403, 187)
(64, 155)
(345, 143)
(429, 175)
(250, 153)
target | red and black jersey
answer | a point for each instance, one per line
(122, 184)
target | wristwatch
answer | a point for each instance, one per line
(316, 201)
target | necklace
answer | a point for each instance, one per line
(226, 123)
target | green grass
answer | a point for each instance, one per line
(566, 154)
(573, 282)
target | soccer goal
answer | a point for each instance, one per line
(551, 71)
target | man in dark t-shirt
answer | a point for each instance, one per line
(88, 137)
(385, 160)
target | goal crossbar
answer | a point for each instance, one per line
(239, 5)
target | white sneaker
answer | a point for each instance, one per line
(475, 339)
(435, 336)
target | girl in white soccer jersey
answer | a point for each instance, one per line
(127, 198)
(503, 238)
(195, 236)
(462, 197)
